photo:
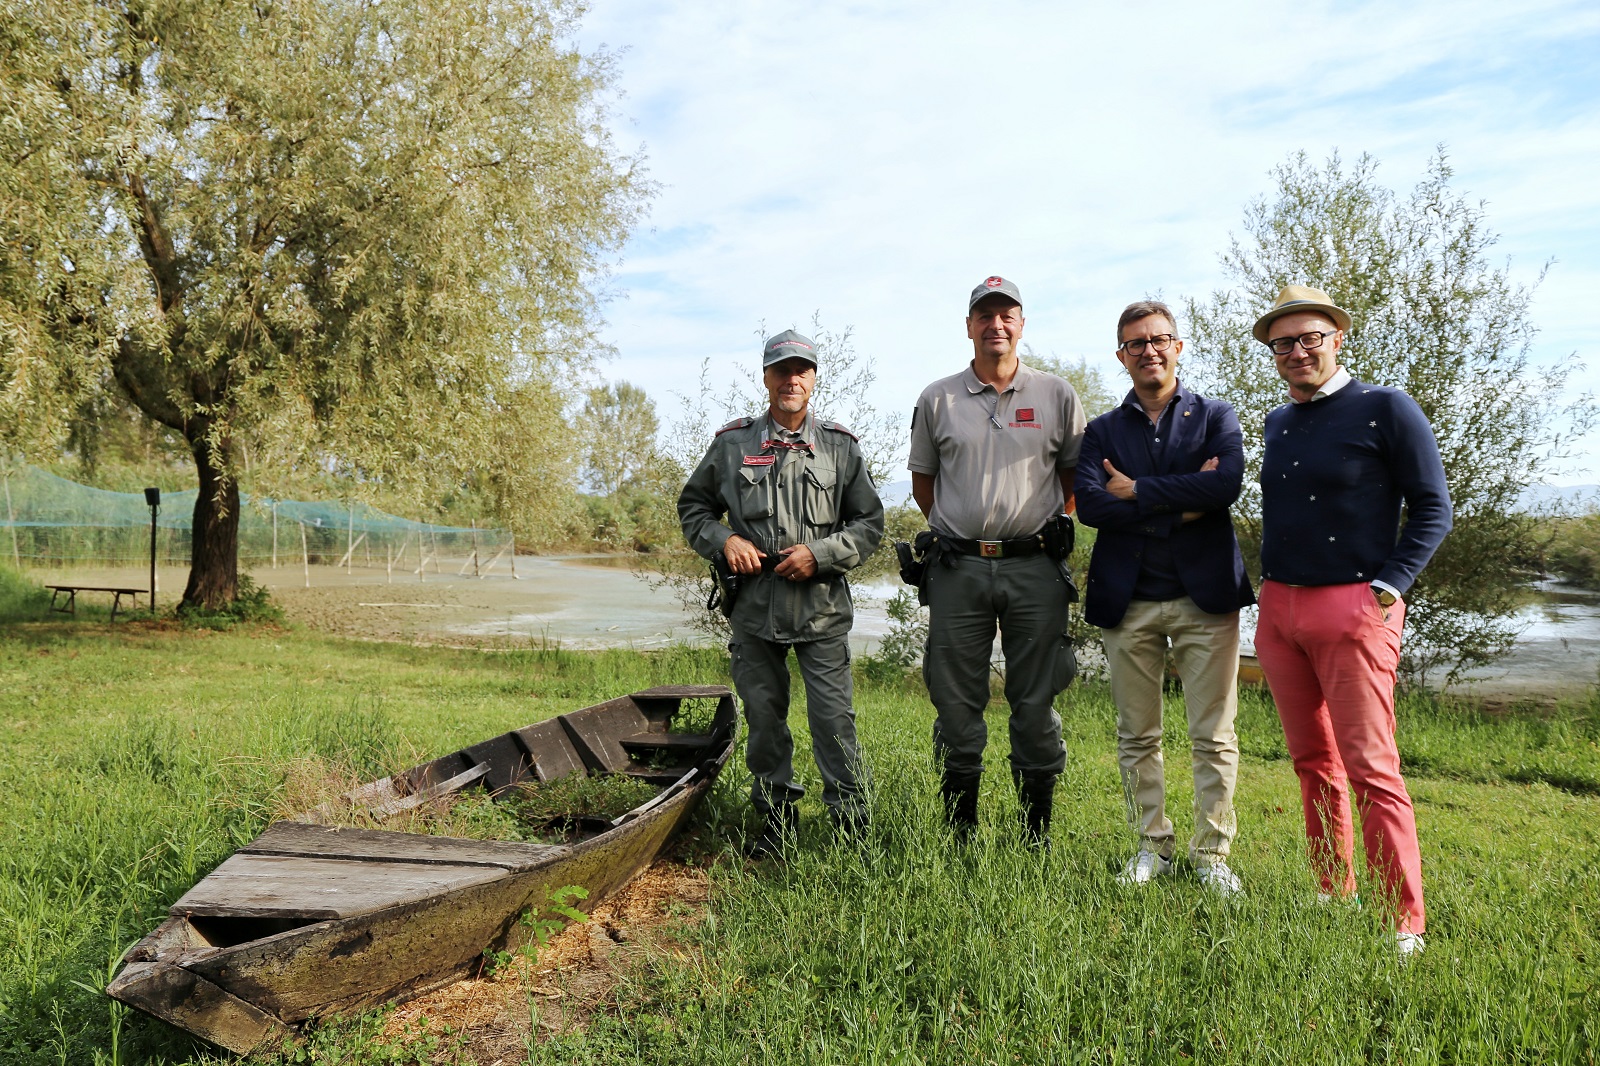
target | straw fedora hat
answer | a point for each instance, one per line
(1295, 298)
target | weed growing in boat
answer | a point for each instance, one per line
(694, 716)
(569, 804)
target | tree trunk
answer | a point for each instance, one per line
(214, 553)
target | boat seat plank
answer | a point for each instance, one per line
(666, 741)
(379, 845)
(294, 886)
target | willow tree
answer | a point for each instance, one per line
(356, 236)
(1431, 314)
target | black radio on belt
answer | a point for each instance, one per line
(1057, 537)
(915, 557)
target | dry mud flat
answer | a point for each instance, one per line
(574, 602)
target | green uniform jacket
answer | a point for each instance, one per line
(777, 498)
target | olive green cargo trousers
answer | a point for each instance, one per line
(761, 675)
(1027, 598)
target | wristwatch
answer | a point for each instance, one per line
(1386, 599)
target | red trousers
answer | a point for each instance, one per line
(1330, 658)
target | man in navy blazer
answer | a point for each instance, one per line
(1156, 477)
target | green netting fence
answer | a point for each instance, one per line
(50, 522)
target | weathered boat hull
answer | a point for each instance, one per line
(310, 921)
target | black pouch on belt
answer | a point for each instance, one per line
(725, 586)
(916, 556)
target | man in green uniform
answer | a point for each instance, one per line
(993, 456)
(801, 510)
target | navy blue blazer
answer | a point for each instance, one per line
(1205, 551)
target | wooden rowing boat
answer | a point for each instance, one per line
(311, 920)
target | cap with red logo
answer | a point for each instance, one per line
(994, 285)
(788, 345)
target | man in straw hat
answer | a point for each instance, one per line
(1342, 457)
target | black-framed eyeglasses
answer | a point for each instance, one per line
(1309, 341)
(1160, 343)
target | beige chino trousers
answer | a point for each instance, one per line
(1205, 648)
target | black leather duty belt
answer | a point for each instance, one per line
(995, 549)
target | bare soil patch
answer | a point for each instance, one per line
(572, 977)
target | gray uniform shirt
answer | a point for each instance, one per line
(819, 495)
(996, 456)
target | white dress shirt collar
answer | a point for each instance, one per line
(1340, 379)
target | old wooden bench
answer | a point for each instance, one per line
(70, 606)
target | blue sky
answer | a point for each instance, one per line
(873, 161)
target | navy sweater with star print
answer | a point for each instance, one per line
(1334, 476)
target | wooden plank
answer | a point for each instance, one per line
(674, 742)
(378, 845)
(506, 758)
(283, 886)
(685, 692)
(551, 750)
(597, 732)
(432, 792)
(189, 1001)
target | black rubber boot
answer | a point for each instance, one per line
(851, 820)
(781, 830)
(960, 794)
(1038, 794)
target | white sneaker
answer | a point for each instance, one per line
(1144, 868)
(1407, 945)
(1325, 899)
(1221, 880)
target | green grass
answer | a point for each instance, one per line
(134, 758)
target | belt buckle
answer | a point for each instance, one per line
(991, 549)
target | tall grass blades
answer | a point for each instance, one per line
(133, 760)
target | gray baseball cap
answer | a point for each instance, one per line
(788, 345)
(990, 286)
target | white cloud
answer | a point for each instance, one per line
(874, 161)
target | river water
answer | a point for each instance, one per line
(589, 602)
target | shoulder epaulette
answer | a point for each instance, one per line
(737, 423)
(837, 428)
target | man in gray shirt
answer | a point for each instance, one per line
(993, 453)
(801, 510)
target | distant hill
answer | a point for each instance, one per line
(896, 492)
(1568, 499)
(1565, 499)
